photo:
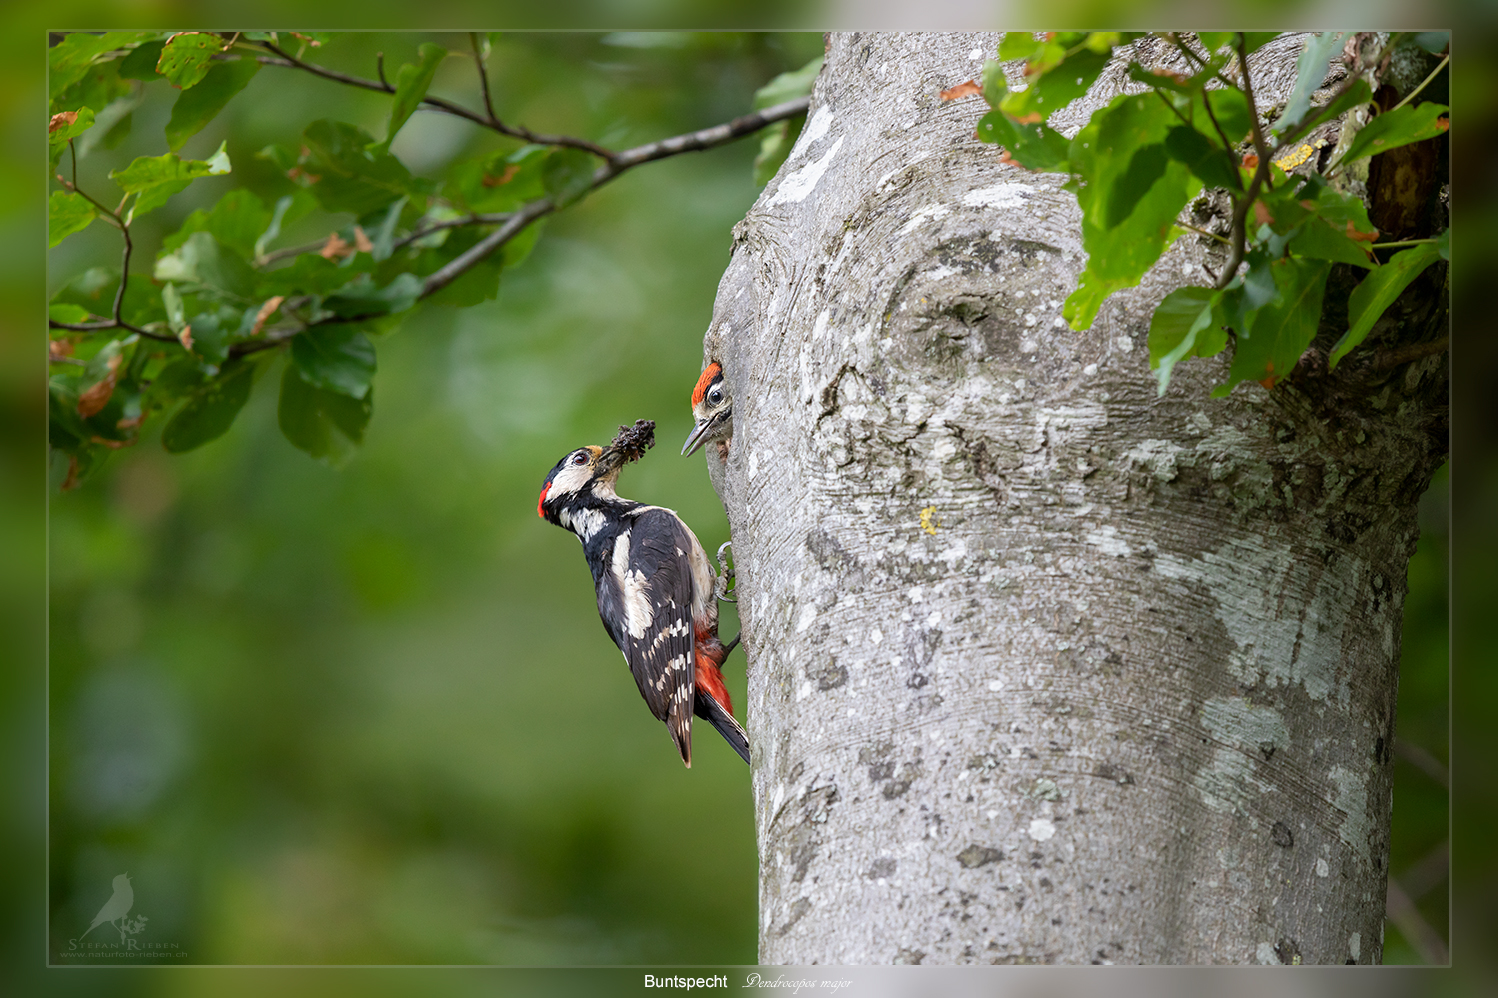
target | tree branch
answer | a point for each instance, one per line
(283, 58)
(478, 60)
(1261, 176)
(115, 321)
(516, 222)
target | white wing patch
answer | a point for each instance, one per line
(635, 589)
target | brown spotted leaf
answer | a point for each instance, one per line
(962, 90)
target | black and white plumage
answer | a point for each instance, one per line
(655, 591)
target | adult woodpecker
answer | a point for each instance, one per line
(656, 591)
(712, 410)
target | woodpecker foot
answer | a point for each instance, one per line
(724, 583)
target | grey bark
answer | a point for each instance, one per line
(1043, 668)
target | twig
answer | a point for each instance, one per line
(478, 60)
(705, 138)
(282, 58)
(380, 70)
(1261, 175)
(497, 218)
(1423, 84)
(515, 223)
(1386, 359)
(1402, 242)
(115, 321)
(458, 265)
(1204, 232)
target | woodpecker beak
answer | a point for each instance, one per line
(610, 460)
(695, 438)
(703, 430)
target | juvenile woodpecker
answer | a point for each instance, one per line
(712, 409)
(656, 590)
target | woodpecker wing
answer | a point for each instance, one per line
(647, 589)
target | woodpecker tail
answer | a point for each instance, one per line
(713, 713)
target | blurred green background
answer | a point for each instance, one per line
(370, 715)
(322, 692)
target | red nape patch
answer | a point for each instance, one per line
(710, 678)
(711, 372)
(539, 511)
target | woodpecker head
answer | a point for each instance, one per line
(712, 408)
(586, 477)
(587, 473)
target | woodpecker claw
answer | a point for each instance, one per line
(730, 646)
(721, 587)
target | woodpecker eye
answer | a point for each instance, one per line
(580, 458)
(715, 396)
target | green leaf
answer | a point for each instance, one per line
(200, 105)
(1057, 87)
(1204, 157)
(384, 235)
(788, 85)
(140, 64)
(153, 179)
(500, 182)
(1168, 81)
(186, 56)
(1400, 127)
(1281, 330)
(1320, 240)
(1355, 96)
(1033, 146)
(66, 214)
(310, 274)
(1214, 40)
(567, 175)
(68, 313)
(210, 410)
(411, 84)
(364, 297)
(1230, 108)
(238, 220)
(1378, 291)
(1182, 327)
(70, 60)
(327, 425)
(210, 336)
(1124, 228)
(1017, 45)
(1130, 186)
(203, 260)
(514, 252)
(171, 300)
(1443, 244)
(336, 359)
(353, 177)
(58, 140)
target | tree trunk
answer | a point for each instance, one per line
(1043, 668)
